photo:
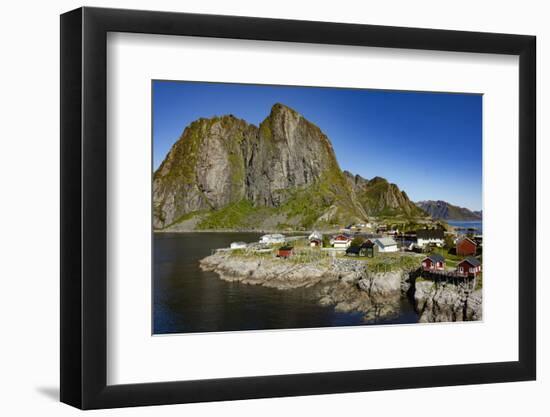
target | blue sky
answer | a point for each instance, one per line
(429, 144)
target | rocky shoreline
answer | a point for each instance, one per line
(447, 302)
(349, 286)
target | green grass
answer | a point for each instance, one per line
(451, 263)
(232, 216)
(248, 254)
(449, 258)
(392, 261)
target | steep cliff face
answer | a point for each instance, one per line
(235, 174)
(379, 197)
(205, 169)
(289, 152)
(446, 211)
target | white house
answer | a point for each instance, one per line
(386, 244)
(315, 239)
(272, 239)
(238, 245)
(430, 237)
(341, 241)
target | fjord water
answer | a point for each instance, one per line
(187, 299)
(467, 224)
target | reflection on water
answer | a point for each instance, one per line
(187, 299)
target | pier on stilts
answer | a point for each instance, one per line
(449, 277)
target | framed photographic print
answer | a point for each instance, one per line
(257, 208)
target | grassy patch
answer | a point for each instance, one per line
(392, 261)
(449, 257)
(232, 216)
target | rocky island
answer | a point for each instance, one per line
(374, 289)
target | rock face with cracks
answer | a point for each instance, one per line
(447, 302)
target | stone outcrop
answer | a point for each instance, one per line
(345, 284)
(268, 272)
(445, 302)
(382, 285)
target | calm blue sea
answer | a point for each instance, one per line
(477, 224)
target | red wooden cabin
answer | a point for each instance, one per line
(285, 251)
(433, 262)
(469, 267)
(465, 247)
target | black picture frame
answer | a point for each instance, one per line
(84, 207)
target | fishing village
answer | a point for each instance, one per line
(367, 268)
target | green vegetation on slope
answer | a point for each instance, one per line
(383, 199)
(185, 149)
(232, 216)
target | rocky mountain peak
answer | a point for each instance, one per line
(224, 160)
(378, 180)
(279, 108)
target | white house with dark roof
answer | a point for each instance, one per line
(341, 241)
(386, 244)
(315, 239)
(430, 237)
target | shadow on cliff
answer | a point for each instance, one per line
(411, 280)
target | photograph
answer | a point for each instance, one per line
(291, 207)
(269, 209)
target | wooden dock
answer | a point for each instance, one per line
(447, 277)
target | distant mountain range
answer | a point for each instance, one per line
(441, 210)
(224, 173)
